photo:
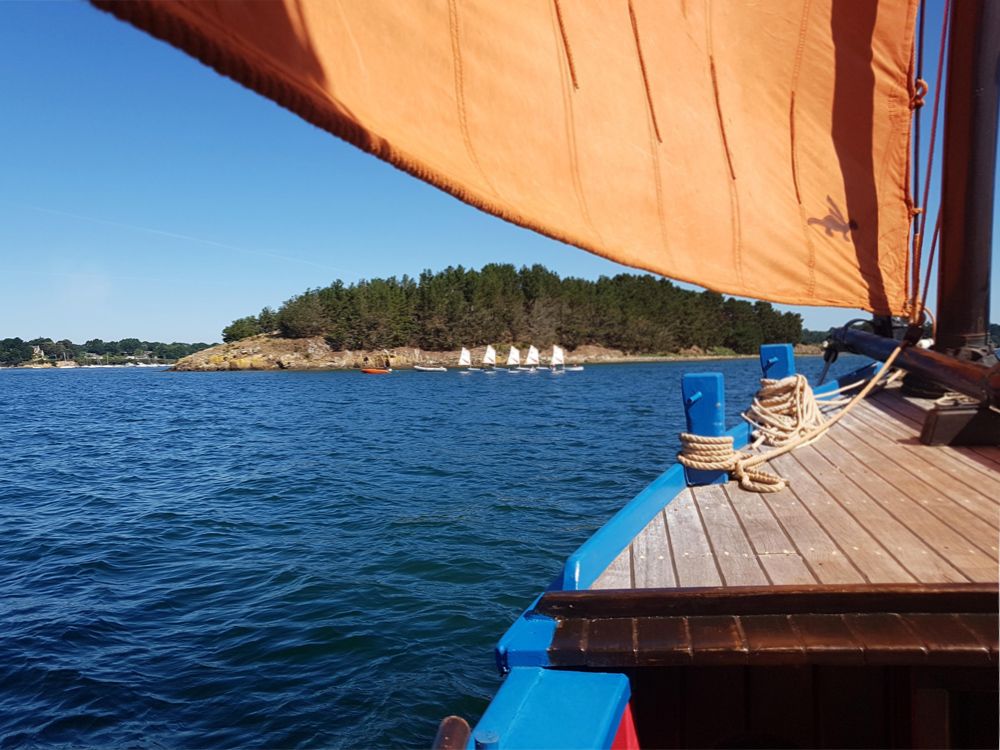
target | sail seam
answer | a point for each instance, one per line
(654, 132)
(734, 198)
(456, 53)
(793, 144)
(642, 68)
(718, 112)
(791, 134)
(570, 123)
(567, 50)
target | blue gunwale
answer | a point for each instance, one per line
(553, 708)
(592, 557)
(523, 650)
(526, 642)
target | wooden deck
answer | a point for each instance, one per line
(868, 503)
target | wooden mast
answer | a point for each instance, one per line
(962, 361)
(968, 181)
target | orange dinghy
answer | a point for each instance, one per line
(375, 371)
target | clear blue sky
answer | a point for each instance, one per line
(143, 195)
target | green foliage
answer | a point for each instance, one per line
(95, 351)
(500, 303)
(303, 316)
(14, 351)
(242, 328)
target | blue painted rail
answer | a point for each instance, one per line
(539, 707)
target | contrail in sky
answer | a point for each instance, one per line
(185, 237)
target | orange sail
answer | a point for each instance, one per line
(754, 148)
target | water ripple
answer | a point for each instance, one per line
(295, 559)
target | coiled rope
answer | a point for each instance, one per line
(785, 414)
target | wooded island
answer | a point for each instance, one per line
(500, 303)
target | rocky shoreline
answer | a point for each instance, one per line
(271, 352)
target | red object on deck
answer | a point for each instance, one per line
(375, 371)
(626, 738)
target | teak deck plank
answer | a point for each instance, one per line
(651, 551)
(618, 575)
(926, 466)
(692, 554)
(868, 503)
(920, 559)
(869, 556)
(817, 548)
(985, 478)
(733, 553)
(774, 549)
(913, 410)
(936, 532)
(924, 488)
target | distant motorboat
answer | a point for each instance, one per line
(574, 368)
(376, 370)
(430, 368)
(513, 359)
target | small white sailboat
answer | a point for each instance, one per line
(531, 361)
(465, 360)
(513, 359)
(490, 359)
(558, 360)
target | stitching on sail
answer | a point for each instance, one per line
(567, 50)
(659, 195)
(791, 135)
(456, 53)
(718, 112)
(642, 67)
(654, 133)
(570, 123)
(734, 198)
(796, 71)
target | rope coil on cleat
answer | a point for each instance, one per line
(786, 414)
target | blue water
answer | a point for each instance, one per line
(252, 560)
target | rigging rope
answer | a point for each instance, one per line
(786, 415)
(918, 300)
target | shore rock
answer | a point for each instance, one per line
(269, 351)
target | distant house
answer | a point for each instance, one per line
(93, 357)
(37, 353)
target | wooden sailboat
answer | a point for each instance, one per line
(759, 150)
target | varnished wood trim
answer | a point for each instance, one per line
(772, 600)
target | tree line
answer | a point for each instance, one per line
(500, 303)
(15, 351)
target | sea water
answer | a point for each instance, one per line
(298, 559)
